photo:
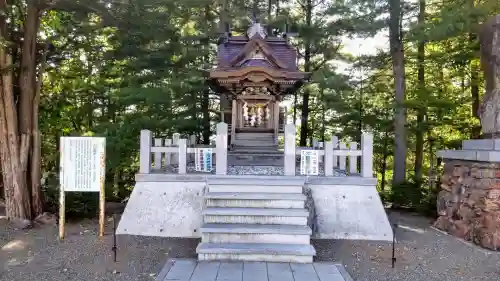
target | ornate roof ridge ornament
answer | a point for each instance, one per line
(256, 28)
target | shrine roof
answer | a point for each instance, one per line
(277, 47)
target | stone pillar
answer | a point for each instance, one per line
(175, 142)
(157, 155)
(221, 149)
(290, 133)
(489, 110)
(353, 160)
(328, 158)
(468, 204)
(367, 155)
(145, 152)
(168, 155)
(182, 156)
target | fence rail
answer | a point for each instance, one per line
(158, 153)
(177, 151)
(333, 154)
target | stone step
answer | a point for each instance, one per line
(256, 252)
(254, 143)
(255, 233)
(256, 216)
(254, 135)
(256, 187)
(255, 150)
(255, 200)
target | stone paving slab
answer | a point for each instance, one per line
(192, 270)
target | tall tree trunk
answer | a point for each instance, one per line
(360, 108)
(17, 120)
(398, 65)
(385, 155)
(307, 68)
(269, 17)
(421, 110)
(474, 86)
(474, 73)
(35, 164)
(323, 114)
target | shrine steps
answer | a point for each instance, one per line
(254, 200)
(269, 252)
(268, 150)
(254, 142)
(255, 220)
(255, 136)
(249, 233)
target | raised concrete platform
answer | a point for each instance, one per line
(192, 270)
(171, 205)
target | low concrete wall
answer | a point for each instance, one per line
(165, 209)
(170, 206)
(353, 212)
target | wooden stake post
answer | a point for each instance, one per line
(82, 169)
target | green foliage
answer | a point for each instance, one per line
(116, 70)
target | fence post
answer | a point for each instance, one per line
(335, 141)
(367, 155)
(328, 158)
(353, 160)
(175, 142)
(145, 152)
(290, 133)
(168, 155)
(342, 158)
(157, 155)
(221, 149)
(182, 156)
(192, 142)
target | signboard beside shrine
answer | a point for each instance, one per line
(203, 160)
(309, 164)
(82, 169)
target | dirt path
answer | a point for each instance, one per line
(423, 254)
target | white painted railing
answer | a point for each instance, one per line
(334, 154)
(159, 154)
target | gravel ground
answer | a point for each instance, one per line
(423, 254)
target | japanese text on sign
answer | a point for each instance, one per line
(309, 162)
(203, 159)
(82, 163)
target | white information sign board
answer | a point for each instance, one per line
(203, 159)
(82, 169)
(309, 164)
(82, 163)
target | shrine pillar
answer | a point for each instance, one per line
(276, 120)
(234, 110)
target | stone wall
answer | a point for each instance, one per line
(468, 204)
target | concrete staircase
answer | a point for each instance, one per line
(255, 220)
(258, 142)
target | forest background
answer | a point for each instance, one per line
(111, 68)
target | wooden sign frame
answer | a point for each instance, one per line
(82, 169)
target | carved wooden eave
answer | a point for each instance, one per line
(256, 43)
(258, 74)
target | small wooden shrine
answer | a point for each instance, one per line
(252, 76)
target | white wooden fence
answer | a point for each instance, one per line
(335, 154)
(158, 154)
